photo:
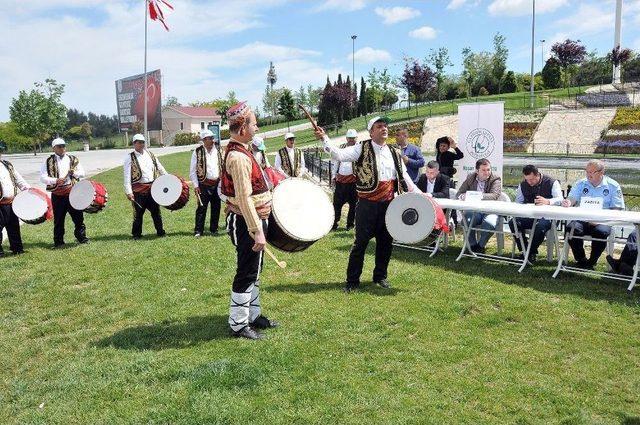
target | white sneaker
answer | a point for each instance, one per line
(197, 235)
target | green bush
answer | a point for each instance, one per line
(183, 139)
(15, 142)
(224, 134)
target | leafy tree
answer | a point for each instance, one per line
(221, 105)
(439, 59)
(509, 84)
(470, 72)
(417, 79)
(270, 101)
(362, 99)
(552, 74)
(499, 60)
(287, 106)
(594, 70)
(14, 140)
(619, 56)
(568, 54)
(313, 98)
(39, 113)
(172, 101)
(301, 97)
(75, 117)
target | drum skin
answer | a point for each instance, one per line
(301, 215)
(32, 206)
(410, 219)
(179, 188)
(88, 196)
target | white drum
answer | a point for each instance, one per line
(171, 192)
(410, 218)
(32, 206)
(88, 196)
(301, 214)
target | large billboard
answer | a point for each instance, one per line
(130, 98)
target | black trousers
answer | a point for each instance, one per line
(145, 202)
(583, 228)
(248, 261)
(370, 224)
(61, 207)
(524, 225)
(630, 251)
(208, 195)
(345, 193)
(9, 221)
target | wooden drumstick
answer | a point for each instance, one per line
(313, 122)
(199, 199)
(281, 264)
(139, 206)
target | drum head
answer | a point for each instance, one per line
(166, 190)
(29, 206)
(410, 218)
(302, 209)
(82, 195)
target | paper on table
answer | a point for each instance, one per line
(591, 203)
(473, 196)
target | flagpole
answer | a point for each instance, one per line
(146, 14)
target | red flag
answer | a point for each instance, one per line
(155, 12)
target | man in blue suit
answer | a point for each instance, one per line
(411, 154)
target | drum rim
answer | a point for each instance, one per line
(275, 216)
(387, 217)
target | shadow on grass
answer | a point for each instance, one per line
(539, 277)
(312, 287)
(169, 334)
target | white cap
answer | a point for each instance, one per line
(57, 142)
(206, 133)
(257, 141)
(289, 136)
(352, 133)
(137, 137)
(374, 120)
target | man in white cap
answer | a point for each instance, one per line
(345, 184)
(10, 183)
(258, 148)
(60, 172)
(380, 175)
(141, 168)
(290, 159)
(205, 169)
(248, 207)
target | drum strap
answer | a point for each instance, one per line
(12, 176)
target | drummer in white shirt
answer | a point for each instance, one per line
(204, 172)
(141, 168)
(290, 159)
(60, 172)
(10, 183)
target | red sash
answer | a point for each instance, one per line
(351, 178)
(209, 182)
(141, 188)
(383, 192)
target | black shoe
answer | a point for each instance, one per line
(59, 245)
(350, 287)
(478, 249)
(532, 258)
(383, 283)
(334, 227)
(625, 269)
(247, 332)
(136, 237)
(583, 263)
(615, 264)
(17, 252)
(349, 227)
(162, 234)
(263, 322)
(83, 241)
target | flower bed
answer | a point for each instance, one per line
(618, 146)
(625, 119)
(515, 145)
(604, 99)
(524, 116)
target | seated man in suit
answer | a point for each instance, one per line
(434, 182)
(490, 185)
(537, 189)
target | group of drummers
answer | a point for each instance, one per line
(368, 175)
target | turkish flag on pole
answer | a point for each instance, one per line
(155, 12)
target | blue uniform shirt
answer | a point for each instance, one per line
(608, 189)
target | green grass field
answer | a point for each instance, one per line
(123, 331)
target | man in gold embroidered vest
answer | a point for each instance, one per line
(60, 172)
(380, 174)
(10, 183)
(345, 184)
(290, 159)
(141, 168)
(248, 207)
(205, 169)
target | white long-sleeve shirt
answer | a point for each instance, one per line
(258, 155)
(63, 168)
(556, 194)
(213, 171)
(146, 168)
(291, 152)
(7, 184)
(342, 168)
(384, 160)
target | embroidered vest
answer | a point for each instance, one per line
(12, 176)
(136, 171)
(53, 172)
(287, 167)
(201, 162)
(366, 170)
(258, 182)
(263, 159)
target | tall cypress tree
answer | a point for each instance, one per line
(362, 102)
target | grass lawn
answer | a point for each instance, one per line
(123, 331)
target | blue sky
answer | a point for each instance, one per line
(217, 46)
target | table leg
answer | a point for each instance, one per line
(525, 260)
(562, 255)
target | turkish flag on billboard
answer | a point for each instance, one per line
(130, 98)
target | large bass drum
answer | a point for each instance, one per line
(301, 214)
(410, 219)
(32, 206)
(171, 192)
(88, 196)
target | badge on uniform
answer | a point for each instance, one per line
(585, 190)
(605, 192)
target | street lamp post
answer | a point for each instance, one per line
(353, 64)
(271, 79)
(542, 52)
(533, 36)
(616, 40)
